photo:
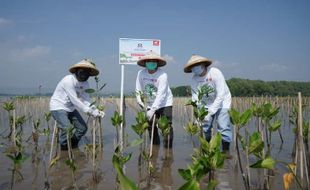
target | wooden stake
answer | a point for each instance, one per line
(152, 135)
(53, 137)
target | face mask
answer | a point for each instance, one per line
(197, 70)
(151, 65)
(82, 75)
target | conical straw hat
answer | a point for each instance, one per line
(85, 63)
(196, 60)
(151, 56)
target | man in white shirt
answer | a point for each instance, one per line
(70, 94)
(217, 102)
(153, 83)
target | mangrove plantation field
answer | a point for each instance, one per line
(270, 148)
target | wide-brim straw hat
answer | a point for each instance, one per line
(152, 56)
(196, 60)
(85, 64)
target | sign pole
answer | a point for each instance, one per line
(121, 104)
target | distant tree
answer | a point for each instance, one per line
(245, 87)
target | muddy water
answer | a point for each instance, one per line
(166, 163)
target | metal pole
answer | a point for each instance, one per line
(121, 107)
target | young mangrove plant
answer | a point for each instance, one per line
(117, 120)
(192, 129)
(10, 108)
(164, 125)
(18, 157)
(205, 161)
(71, 161)
(118, 161)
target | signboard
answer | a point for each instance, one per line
(131, 50)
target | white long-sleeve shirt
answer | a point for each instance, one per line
(70, 94)
(155, 87)
(219, 98)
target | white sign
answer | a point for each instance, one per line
(131, 50)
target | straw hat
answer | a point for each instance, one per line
(196, 60)
(151, 56)
(85, 63)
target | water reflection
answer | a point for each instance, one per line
(61, 174)
(160, 177)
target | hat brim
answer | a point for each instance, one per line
(188, 67)
(92, 71)
(160, 62)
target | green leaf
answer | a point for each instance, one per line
(215, 142)
(190, 185)
(185, 173)
(275, 126)
(71, 164)
(136, 142)
(212, 184)
(256, 143)
(125, 182)
(90, 90)
(267, 163)
(191, 128)
(234, 116)
(217, 160)
(245, 117)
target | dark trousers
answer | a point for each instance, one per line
(165, 111)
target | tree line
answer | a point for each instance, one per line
(248, 88)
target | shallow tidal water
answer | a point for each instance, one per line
(166, 162)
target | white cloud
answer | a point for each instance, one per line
(273, 67)
(30, 53)
(5, 22)
(230, 66)
(169, 59)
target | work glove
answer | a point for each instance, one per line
(97, 113)
(208, 117)
(150, 114)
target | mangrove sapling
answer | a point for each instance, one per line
(118, 161)
(192, 129)
(117, 120)
(239, 120)
(71, 161)
(164, 125)
(18, 157)
(47, 117)
(9, 107)
(140, 127)
(205, 161)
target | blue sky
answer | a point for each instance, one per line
(262, 39)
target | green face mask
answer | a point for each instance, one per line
(151, 65)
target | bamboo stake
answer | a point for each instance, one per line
(94, 141)
(300, 138)
(53, 138)
(14, 128)
(152, 135)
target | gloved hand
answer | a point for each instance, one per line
(208, 117)
(150, 114)
(97, 113)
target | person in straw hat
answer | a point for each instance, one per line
(217, 103)
(69, 95)
(152, 82)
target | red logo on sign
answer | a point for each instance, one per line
(155, 42)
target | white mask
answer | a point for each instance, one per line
(197, 70)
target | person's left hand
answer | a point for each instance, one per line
(150, 114)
